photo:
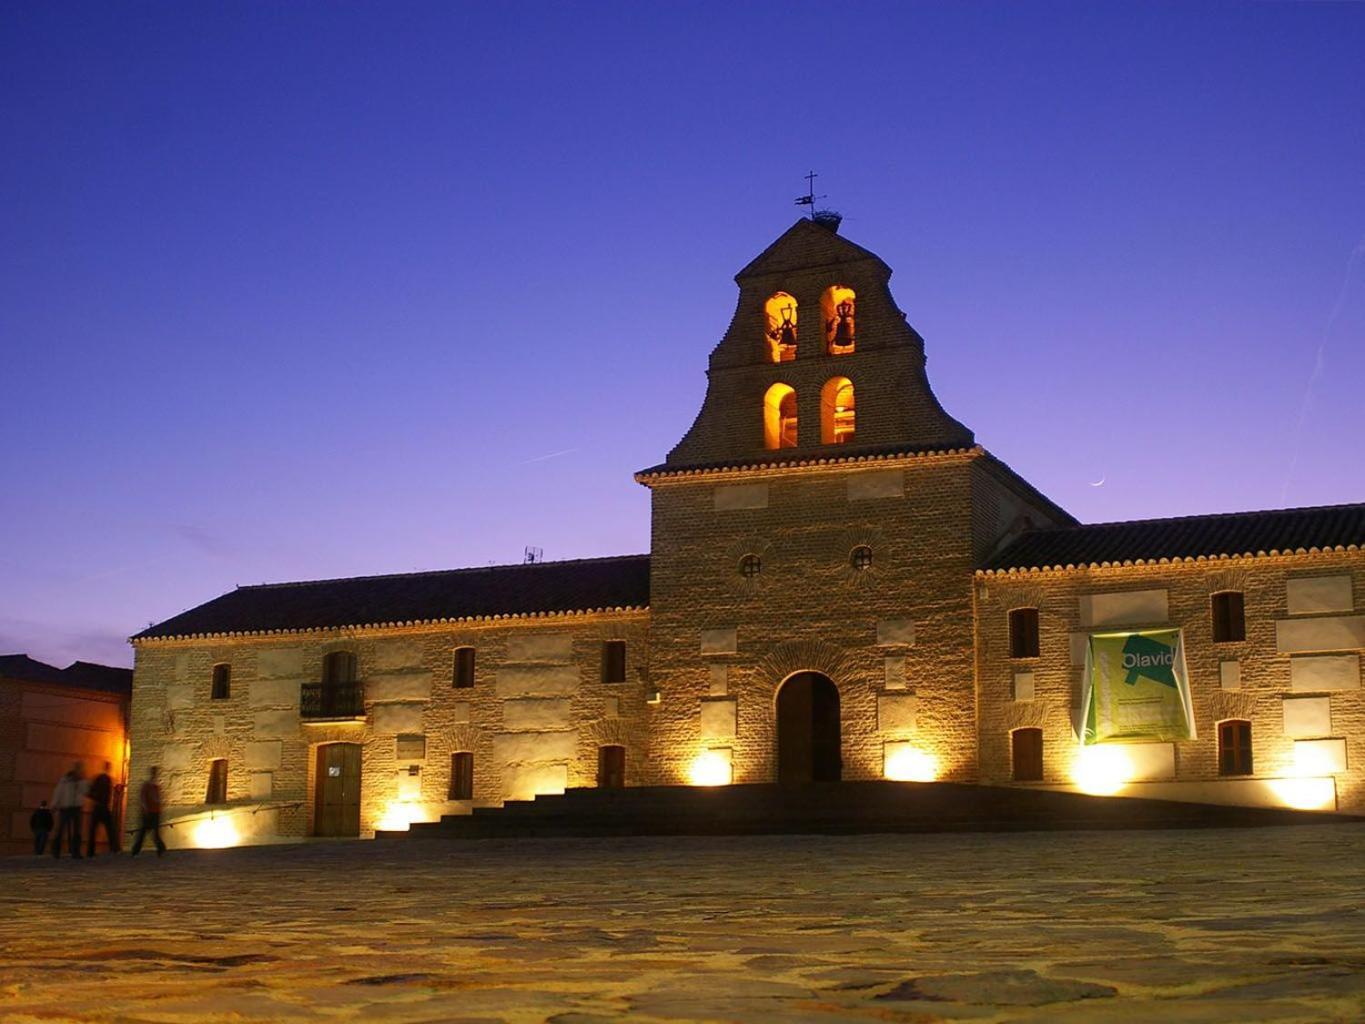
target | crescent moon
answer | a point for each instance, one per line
(1099, 482)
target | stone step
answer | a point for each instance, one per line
(838, 808)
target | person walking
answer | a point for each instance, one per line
(68, 799)
(99, 794)
(40, 824)
(149, 803)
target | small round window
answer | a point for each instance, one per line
(750, 566)
(860, 557)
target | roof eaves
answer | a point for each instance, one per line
(142, 638)
(1125, 563)
(664, 470)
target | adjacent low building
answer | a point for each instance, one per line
(842, 584)
(49, 718)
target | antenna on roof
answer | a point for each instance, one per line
(533, 555)
(809, 198)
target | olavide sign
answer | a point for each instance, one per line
(1136, 688)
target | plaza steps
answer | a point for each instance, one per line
(836, 808)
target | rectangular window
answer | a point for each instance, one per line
(1234, 748)
(1229, 617)
(1027, 746)
(462, 776)
(217, 791)
(1024, 633)
(463, 677)
(222, 682)
(614, 661)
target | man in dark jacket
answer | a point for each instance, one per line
(40, 824)
(149, 802)
(99, 794)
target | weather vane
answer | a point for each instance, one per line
(809, 198)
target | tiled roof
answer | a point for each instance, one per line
(802, 457)
(30, 670)
(1153, 540)
(587, 584)
(99, 677)
(83, 674)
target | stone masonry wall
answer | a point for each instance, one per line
(895, 638)
(533, 720)
(1296, 677)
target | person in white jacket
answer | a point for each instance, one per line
(68, 800)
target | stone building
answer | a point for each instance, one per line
(842, 584)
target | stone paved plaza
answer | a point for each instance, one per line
(1126, 926)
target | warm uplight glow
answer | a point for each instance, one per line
(215, 833)
(836, 411)
(779, 314)
(839, 306)
(1311, 761)
(711, 768)
(398, 816)
(1102, 770)
(905, 763)
(1306, 794)
(779, 417)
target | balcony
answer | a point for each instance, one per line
(328, 701)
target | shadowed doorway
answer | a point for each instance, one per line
(808, 730)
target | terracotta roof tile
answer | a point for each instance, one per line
(1230, 533)
(579, 585)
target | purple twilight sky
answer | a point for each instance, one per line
(305, 290)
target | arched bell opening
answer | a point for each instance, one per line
(779, 314)
(837, 411)
(779, 417)
(839, 305)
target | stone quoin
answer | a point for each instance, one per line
(842, 584)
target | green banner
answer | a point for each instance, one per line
(1136, 688)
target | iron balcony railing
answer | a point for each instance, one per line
(332, 700)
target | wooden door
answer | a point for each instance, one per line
(336, 810)
(462, 776)
(1028, 754)
(611, 767)
(809, 747)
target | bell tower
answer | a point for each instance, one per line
(817, 356)
(814, 536)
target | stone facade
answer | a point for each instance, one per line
(1261, 679)
(867, 562)
(534, 718)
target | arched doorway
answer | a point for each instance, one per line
(808, 746)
